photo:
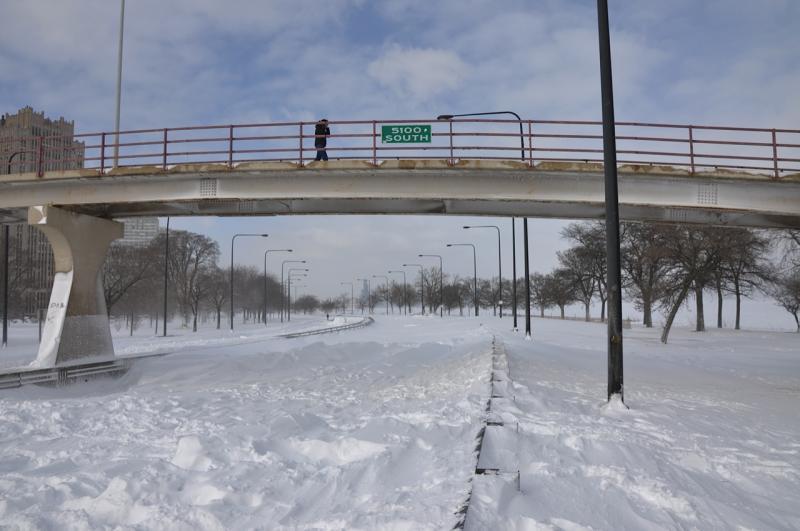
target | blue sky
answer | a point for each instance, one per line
(190, 62)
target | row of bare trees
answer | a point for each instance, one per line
(665, 265)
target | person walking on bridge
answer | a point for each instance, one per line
(321, 133)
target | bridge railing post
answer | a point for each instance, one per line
(691, 149)
(775, 154)
(102, 153)
(452, 158)
(374, 142)
(530, 143)
(40, 158)
(301, 143)
(230, 146)
(164, 150)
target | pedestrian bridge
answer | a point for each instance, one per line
(72, 188)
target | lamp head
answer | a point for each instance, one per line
(445, 117)
(466, 227)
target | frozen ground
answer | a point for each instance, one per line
(375, 429)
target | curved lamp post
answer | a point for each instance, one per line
(474, 272)
(421, 285)
(405, 301)
(499, 262)
(232, 242)
(265, 276)
(441, 280)
(283, 284)
(289, 278)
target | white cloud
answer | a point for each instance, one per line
(418, 73)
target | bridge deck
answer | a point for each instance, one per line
(468, 187)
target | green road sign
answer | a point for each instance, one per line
(406, 134)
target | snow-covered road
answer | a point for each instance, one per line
(375, 429)
(348, 434)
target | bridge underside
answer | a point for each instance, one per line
(555, 190)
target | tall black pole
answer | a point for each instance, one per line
(615, 383)
(514, 269)
(527, 281)
(6, 233)
(166, 270)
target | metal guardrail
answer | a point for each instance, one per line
(362, 323)
(690, 147)
(69, 373)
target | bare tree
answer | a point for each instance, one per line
(591, 237)
(645, 265)
(743, 263)
(787, 292)
(218, 290)
(125, 267)
(539, 293)
(577, 264)
(693, 256)
(559, 289)
(191, 256)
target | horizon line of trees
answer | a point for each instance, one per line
(664, 266)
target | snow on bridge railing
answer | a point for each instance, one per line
(690, 147)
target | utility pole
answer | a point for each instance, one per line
(614, 275)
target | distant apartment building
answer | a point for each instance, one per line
(139, 232)
(27, 135)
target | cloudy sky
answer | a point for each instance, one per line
(192, 62)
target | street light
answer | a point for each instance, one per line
(474, 272)
(369, 294)
(352, 296)
(283, 286)
(449, 117)
(119, 83)
(265, 276)
(514, 269)
(441, 280)
(384, 277)
(499, 262)
(232, 242)
(421, 285)
(166, 270)
(405, 301)
(613, 272)
(289, 288)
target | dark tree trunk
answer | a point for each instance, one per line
(701, 320)
(738, 306)
(194, 323)
(588, 316)
(218, 318)
(562, 311)
(647, 308)
(602, 309)
(719, 303)
(541, 311)
(673, 312)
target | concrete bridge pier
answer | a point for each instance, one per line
(77, 320)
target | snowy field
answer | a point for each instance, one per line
(376, 428)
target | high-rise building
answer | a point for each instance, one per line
(27, 136)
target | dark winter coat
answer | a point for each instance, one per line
(320, 132)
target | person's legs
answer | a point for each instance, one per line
(319, 154)
(324, 154)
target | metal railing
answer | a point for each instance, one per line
(692, 148)
(328, 330)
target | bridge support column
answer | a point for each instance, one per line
(77, 320)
